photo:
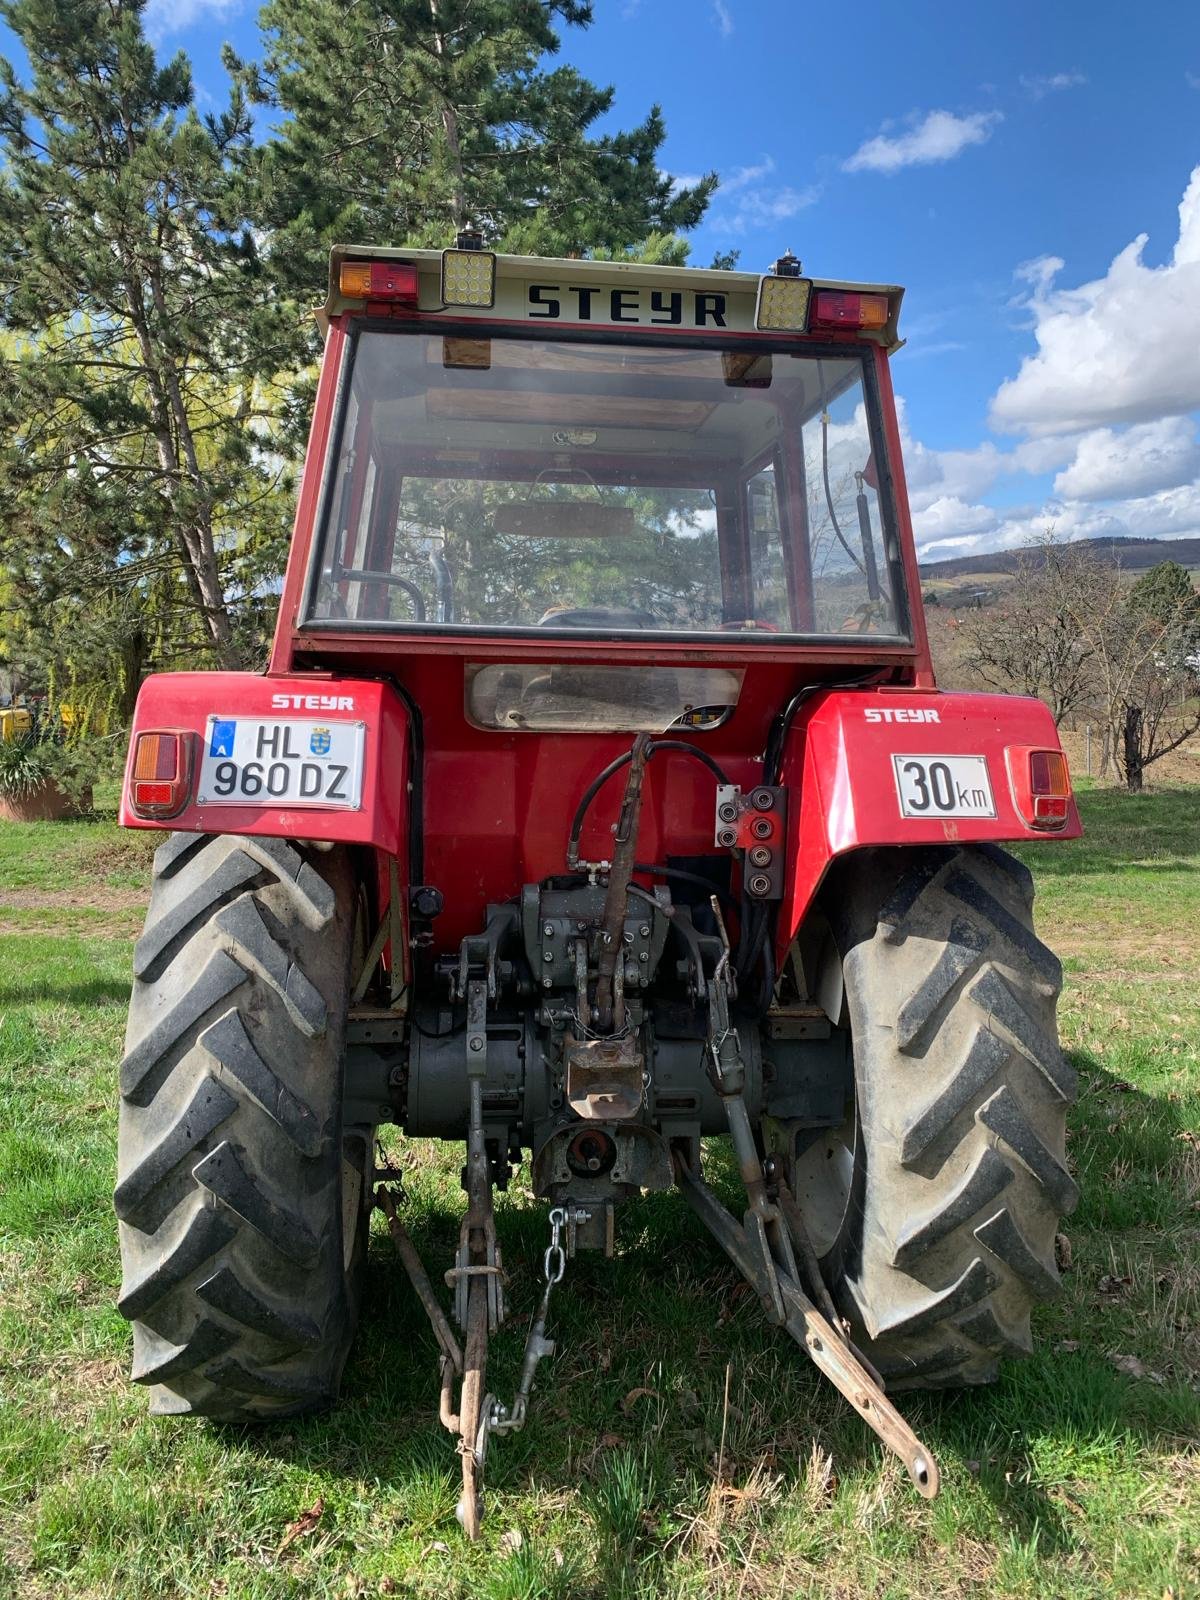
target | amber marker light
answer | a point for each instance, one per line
(160, 781)
(836, 308)
(379, 280)
(1041, 786)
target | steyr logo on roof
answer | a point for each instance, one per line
(582, 302)
(313, 702)
(903, 714)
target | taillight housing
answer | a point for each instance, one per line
(1041, 786)
(379, 280)
(160, 775)
(837, 308)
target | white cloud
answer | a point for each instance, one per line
(1124, 348)
(1037, 88)
(938, 136)
(742, 177)
(956, 477)
(164, 17)
(1106, 405)
(1138, 461)
(1140, 482)
(949, 520)
(760, 208)
(758, 205)
(724, 18)
(1170, 514)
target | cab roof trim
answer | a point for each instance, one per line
(605, 273)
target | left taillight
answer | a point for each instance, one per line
(1041, 786)
(160, 778)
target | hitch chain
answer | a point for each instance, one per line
(497, 1417)
(454, 1362)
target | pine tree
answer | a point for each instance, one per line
(406, 120)
(134, 418)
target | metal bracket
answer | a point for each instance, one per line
(389, 932)
(829, 1350)
(479, 952)
(764, 1229)
(480, 1415)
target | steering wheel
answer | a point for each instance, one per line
(598, 617)
(750, 625)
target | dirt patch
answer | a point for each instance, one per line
(1180, 769)
(93, 898)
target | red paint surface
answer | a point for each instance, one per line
(838, 768)
(185, 700)
(497, 806)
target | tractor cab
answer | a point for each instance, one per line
(596, 452)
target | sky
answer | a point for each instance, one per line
(1029, 171)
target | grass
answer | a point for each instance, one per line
(676, 1446)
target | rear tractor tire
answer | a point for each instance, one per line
(956, 1159)
(243, 1202)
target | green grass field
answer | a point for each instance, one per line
(676, 1447)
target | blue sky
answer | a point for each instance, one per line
(1020, 167)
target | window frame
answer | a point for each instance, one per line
(310, 627)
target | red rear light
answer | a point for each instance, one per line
(160, 779)
(1041, 786)
(834, 308)
(379, 280)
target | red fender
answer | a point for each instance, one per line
(839, 765)
(185, 701)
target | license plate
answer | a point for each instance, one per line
(944, 786)
(249, 761)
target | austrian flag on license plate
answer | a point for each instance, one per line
(249, 761)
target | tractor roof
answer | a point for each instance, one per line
(540, 289)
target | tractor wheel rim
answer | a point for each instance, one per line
(824, 1181)
(352, 1201)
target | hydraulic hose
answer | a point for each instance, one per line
(601, 778)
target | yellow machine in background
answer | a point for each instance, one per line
(15, 722)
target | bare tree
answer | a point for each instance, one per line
(1142, 671)
(1071, 630)
(1030, 642)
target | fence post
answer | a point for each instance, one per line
(1087, 745)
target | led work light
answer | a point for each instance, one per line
(468, 278)
(783, 297)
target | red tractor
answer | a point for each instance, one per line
(598, 799)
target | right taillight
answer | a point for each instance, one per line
(1041, 786)
(836, 308)
(160, 777)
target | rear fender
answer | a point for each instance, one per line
(186, 700)
(838, 765)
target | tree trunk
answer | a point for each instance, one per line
(1106, 753)
(449, 115)
(193, 532)
(1133, 749)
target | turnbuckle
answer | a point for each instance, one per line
(477, 1419)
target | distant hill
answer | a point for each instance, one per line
(1131, 553)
